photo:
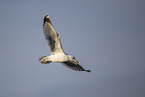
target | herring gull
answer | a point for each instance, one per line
(56, 50)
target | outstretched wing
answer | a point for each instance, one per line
(51, 36)
(74, 66)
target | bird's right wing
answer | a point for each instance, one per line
(74, 66)
(51, 36)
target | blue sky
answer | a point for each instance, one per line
(106, 36)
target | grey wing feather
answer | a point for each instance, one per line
(74, 66)
(51, 36)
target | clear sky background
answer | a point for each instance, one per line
(106, 36)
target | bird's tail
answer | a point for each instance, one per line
(43, 60)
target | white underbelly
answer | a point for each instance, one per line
(59, 58)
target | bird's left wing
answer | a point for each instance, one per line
(51, 36)
(74, 66)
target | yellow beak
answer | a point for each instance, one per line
(76, 61)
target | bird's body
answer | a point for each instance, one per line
(58, 58)
(55, 47)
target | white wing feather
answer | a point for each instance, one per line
(51, 37)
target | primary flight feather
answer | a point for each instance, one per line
(55, 47)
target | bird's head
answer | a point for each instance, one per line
(72, 58)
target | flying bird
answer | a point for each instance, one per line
(56, 50)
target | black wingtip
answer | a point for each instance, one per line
(46, 18)
(88, 70)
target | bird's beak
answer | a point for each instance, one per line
(76, 61)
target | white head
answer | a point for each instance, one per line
(72, 58)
